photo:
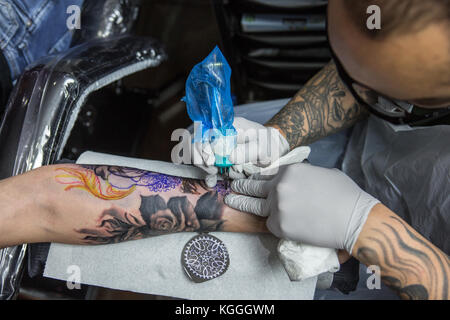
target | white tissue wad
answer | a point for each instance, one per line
(303, 261)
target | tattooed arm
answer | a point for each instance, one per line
(410, 264)
(324, 207)
(322, 107)
(105, 204)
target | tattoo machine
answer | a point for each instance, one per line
(210, 107)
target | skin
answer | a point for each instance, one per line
(409, 264)
(59, 211)
(322, 107)
(403, 67)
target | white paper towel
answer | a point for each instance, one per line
(153, 265)
(302, 261)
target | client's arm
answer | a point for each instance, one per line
(105, 204)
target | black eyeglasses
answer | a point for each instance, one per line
(395, 111)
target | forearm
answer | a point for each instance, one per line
(322, 107)
(23, 210)
(410, 264)
(100, 204)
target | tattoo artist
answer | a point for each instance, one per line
(398, 75)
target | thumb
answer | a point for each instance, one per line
(247, 204)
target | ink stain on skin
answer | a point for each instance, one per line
(221, 189)
(153, 181)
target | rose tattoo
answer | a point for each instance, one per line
(159, 217)
(156, 215)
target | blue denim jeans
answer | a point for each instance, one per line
(31, 29)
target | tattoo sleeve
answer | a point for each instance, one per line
(134, 204)
(409, 264)
(322, 107)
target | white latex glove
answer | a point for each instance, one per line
(203, 157)
(309, 204)
(257, 145)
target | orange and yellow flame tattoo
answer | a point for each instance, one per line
(86, 179)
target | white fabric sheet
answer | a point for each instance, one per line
(153, 265)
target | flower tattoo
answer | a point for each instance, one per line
(127, 178)
(156, 215)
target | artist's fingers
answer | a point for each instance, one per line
(239, 202)
(197, 158)
(254, 188)
(238, 168)
(245, 129)
(208, 154)
(245, 135)
(236, 172)
(202, 154)
(211, 171)
(259, 176)
(245, 153)
(211, 180)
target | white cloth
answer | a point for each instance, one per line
(153, 265)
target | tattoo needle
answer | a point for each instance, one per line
(224, 169)
(224, 172)
(226, 176)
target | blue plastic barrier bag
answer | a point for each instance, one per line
(208, 95)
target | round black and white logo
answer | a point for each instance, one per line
(204, 258)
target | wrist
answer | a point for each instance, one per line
(373, 218)
(21, 217)
(37, 216)
(363, 207)
(280, 131)
(284, 145)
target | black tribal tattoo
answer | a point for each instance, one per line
(322, 107)
(409, 265)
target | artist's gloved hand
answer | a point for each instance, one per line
(257, 145)
(203, 157)
(313, 205)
